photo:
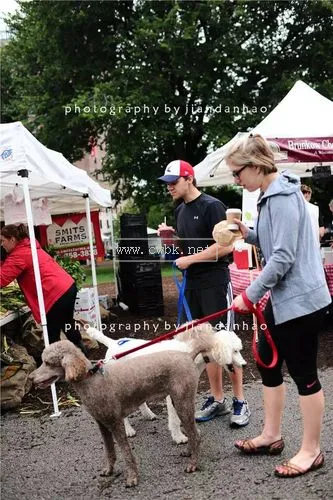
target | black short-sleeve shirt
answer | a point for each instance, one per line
(195, 222)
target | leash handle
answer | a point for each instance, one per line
(182, 302)
(261, 321)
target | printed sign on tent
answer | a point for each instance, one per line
(68, 234)
(303, 150)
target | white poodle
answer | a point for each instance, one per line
(225, 352)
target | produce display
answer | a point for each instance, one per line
(11, 299)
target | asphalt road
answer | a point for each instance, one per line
(61, 458)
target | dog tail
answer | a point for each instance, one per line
(95, 334)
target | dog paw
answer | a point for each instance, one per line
(148, 414)
(107, 472)
(130, 432)
(131, 481)
(180, 439)
(191, 468)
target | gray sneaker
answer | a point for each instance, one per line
(211, 409)
(240, 415)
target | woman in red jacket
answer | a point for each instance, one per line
(59, 289)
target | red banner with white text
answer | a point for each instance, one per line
(303, 150)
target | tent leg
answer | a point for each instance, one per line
(24, 174)
(114, 257)
(93, 267)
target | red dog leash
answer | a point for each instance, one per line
(258, 313)
(262, 324)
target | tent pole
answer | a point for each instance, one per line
(24, 174)
(114, 257)
(92, 260)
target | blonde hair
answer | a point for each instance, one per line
(306, 189)
(253, 151)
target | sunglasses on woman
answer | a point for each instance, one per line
(236, 173)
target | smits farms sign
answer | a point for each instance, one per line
(68, 235)
(70, 240)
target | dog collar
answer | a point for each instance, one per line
(98, 367)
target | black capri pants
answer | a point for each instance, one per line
(297, 344)
(60, 316)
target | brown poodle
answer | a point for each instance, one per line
(114, 391)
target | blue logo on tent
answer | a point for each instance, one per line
(7, 154)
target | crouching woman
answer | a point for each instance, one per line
(59, 289)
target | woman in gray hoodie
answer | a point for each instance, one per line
(294, 276)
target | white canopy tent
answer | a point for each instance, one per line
(41, 172)
(50, 174)
(304, 114)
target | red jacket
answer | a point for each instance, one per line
(18, 265)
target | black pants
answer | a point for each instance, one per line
(205, 301)
(297, 344)
(60, 316)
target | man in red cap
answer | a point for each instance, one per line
(207, 278)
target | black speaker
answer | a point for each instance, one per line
(140, 287)
(134, 239)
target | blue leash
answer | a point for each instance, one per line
(182, 302)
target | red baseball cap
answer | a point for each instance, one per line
(176, 169)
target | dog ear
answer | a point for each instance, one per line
(238, 359)
(75, 367)
(222, 352)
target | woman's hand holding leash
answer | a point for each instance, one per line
(238, 304)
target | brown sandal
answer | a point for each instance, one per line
(288, 469)
(247, 446)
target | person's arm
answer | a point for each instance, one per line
(11, 269)
(321, 226)
(212, 253)
(285, 220)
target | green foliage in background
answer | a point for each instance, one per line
(71, 266)
(193, 61)
(105, 274)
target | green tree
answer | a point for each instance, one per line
(156, 74)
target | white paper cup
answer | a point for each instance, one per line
(233, 213)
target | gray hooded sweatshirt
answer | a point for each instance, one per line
(293, 272)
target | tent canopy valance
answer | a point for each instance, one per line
(50, 174)
(301, 130)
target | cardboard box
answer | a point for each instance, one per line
(88, 315)
(85, 299)
(104, 301)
